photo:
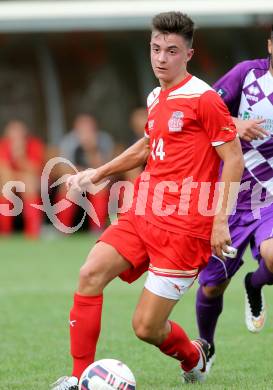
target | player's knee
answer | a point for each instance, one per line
(214, 291)
(267, 255)
(269, 261)
(143, 330)
(91, 278)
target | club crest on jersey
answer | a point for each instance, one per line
(175, 122)
(253, 93)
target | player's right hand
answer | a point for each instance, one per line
(251, 129)
(81, 180)
(220, 237)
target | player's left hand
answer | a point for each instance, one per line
(81, 180)
(252, 129)
(220, 236)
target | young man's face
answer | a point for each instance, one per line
(169, 57)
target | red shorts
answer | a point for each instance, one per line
(147, 246)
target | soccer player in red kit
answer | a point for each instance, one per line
(167, 230)
(21, 159)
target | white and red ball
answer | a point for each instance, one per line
(107, 374)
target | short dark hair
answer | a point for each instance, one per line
(271, 34)
(174, 23)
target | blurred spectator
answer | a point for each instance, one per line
(138, 121)
(86, 147)
(21, 159)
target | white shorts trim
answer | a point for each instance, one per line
(173, 273)
(168, 287)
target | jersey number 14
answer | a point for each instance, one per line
(158, 149)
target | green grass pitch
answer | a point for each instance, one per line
(37, 280)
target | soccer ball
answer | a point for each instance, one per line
(107, 374)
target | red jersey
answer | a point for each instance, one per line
(35, 153)
(184, 125)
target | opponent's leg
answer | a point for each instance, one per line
(266, 275)
(255, 310)
(209, 306)
(213, 280)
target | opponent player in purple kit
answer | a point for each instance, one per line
(247, 89)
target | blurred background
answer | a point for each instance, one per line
(74, 76)
(85, 64)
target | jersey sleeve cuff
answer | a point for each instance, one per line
(218, 143)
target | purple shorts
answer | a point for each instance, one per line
(244, 230)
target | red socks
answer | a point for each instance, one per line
(32, 217)
(85, 325)
(66, 216)
(5, 221)
(100, 204)
(180, 347)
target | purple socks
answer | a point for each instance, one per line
(261, 276)
(209, 309)
(207, 312)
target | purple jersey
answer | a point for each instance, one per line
(247, 90)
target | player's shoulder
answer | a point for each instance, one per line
(246, 66)
(153, 96)
(194, 88)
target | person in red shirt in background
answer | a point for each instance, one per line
(22, 159)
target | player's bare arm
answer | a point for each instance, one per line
(251, 129)
(133, 157)
(231, 155)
